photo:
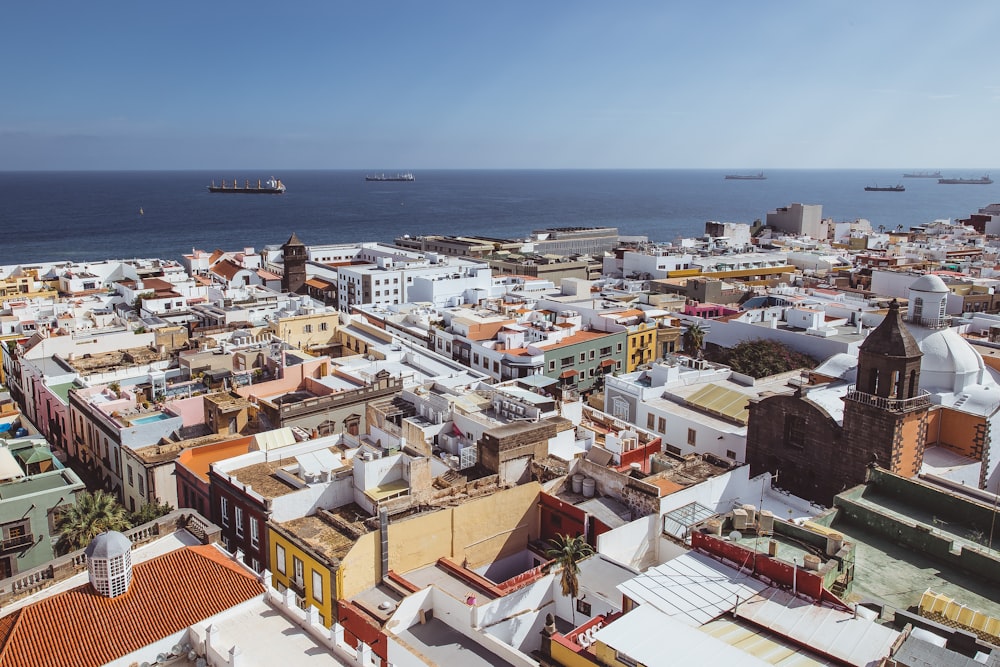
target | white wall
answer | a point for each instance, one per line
(633, 544)
(327, 495)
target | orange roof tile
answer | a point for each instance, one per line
(168, 594)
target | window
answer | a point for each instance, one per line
(605, 351)
(475, 359)
(239, 521)
(627, 660)
(225, 511)
(254, 532)
(583, 607)
(308, 328)
(583, 357)
(139, 478)
(317, 586)
(619, 347)
(565, 361)
(552, 365)
(795, 431)
(692, 436)
(592, 354)
(323, 326)
(650, 421)
(298, 571)
(279, 558)
(662, 425)
(130, 483)
(731, 454)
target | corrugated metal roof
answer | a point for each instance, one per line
(723, 402)
(649, 637)
(694, 588)
(833, 632)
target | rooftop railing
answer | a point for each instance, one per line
(918, 402)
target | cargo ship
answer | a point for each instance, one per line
(893, 188)
(985, 180)
(397, 177)
(923, 174)
(759, 176)
(272, 186)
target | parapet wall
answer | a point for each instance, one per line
(918, 536)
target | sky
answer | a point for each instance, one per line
(393, 84)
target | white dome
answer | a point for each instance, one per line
(929, 283)
(949, 364)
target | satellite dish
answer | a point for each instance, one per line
(735, 536)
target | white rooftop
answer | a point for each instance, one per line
(692, 588)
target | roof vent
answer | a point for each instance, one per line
(109, 563)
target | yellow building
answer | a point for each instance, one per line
(305, 556)
(315, 332)
(25, 286)
(641, 334)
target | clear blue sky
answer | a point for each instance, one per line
(388, 84)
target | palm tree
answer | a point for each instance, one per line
(93, 514)
(567, 552)
(694, 337)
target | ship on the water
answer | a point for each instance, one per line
(985, 180)
(891, 188)
(759, 176)
(923, 174)
(273, 186)
(407, 176)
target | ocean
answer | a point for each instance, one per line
(51, 216)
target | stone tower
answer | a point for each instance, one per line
(885, 413)
(294, 255)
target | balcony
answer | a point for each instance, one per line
(17, 542)
(918, 402)
(940, 322)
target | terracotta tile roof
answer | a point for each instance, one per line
(226, 268)
(168, 594)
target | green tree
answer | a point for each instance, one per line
(150, 512)
(567, 552)
(93, 514)
(694, 337)
(139, 298)
(762, 357)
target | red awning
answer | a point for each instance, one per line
(567, 374)
(607, 362)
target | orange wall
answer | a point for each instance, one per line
(958, 431)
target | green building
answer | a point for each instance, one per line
(35, 489)
(579, 360)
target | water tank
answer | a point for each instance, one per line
(714, 527)
(739, 519)
(765, 522)
(811, 562)
(577, 481)
(772, 548)
(834, 542)
(588, 487)
(751, 511)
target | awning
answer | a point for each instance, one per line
(567, 374)
(607, 362)
(9, 469)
